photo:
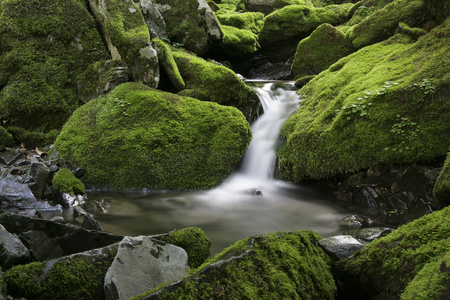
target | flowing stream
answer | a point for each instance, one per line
(249, 202)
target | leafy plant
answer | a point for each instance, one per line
(358, 108)
(427, 86)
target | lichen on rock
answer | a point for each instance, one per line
(136, 137)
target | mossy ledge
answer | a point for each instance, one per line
(66, 182)
(137, 137)
(389, 264)
(272, 266)
(385, 104)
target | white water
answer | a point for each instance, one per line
(230, 212)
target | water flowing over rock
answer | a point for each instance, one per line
(142, 264)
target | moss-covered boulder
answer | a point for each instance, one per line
(363, 9)
(32, 138)
(442, 186)
(136, 137)
(239, 42)
(272, 266)
(252, 21)
(66, 182)
(385, 104)
(218, 83)
(191, 23)
(45, 45)
(295, 22)
(382, 24)
(400, 260)
(128, 38)
(321, 49)
(439, 9)
(168, 64)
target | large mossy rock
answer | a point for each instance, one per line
(128, 38)
(252, 21)
(239, 42)
(382, 23)
(45, 45)
(273, 266)
(136, 137)
(406, 258)
(217, 83)
(442, 186)
(191, 23)
(295, 22)
(385, 104)
(320, 50)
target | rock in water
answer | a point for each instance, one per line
(141, 264)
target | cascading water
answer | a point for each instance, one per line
(234, 210)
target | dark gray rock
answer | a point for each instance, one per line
(141, 264)
(41, 246)
(9, 157)
(264, 6)
(37, 178)
(12, 250)
(369, 234)
(155, 21)
(341, 246)
(352, 222)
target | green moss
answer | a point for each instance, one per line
(239, 42)
(432, 282)
(282, 3)
(219, 83)
(414, 33)
(137, 137)
(385, 104)
(442, 186)
(295, 22)
(273, 266)
(320, 50)
(66, 182)
(167, 61)
(382, 23)
(194, 241)
(32, 139)
(24, 280)
(45, 46)
(389, 264)
(6, 138)
(251, 21)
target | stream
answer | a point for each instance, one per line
(250, 201)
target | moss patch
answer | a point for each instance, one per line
(66, 182)
(273, 266)
(137, 137)
(168, 63)
(251, 21)
(219, 83)
(6, 138)
(385, 104)
(388, 264)
(295, 22)
(442, 186)
(45, 45)
(194, 241)
(239, 42)
(320, 50)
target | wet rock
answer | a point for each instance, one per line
(69, 238)
(369, 234)
(142, 264)
(352, 222)
(9, 157)
(41, 246)
(87, 220)
(12, 193)
(12, 250)
(37, 178)
(341, 246)
(254, 192)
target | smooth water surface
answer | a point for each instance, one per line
(233, 211)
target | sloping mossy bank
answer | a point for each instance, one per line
(386, 104)
(44, 47)
(137, 137)
(442, 186)
(405, 263)
(273, 266)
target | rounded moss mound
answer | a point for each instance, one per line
(66, 182)
(239, 42)
(442, 186)
(194, 241)
(218, 83)
(321, 49)
(136, 137)
(383, 105)
(251, 21)
(6, 138)
(273, 266)
(295, 22)
(42, 53)
(389, 264)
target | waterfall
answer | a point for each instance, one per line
(279, 100)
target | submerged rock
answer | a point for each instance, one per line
(142, 264)
(139, 137)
